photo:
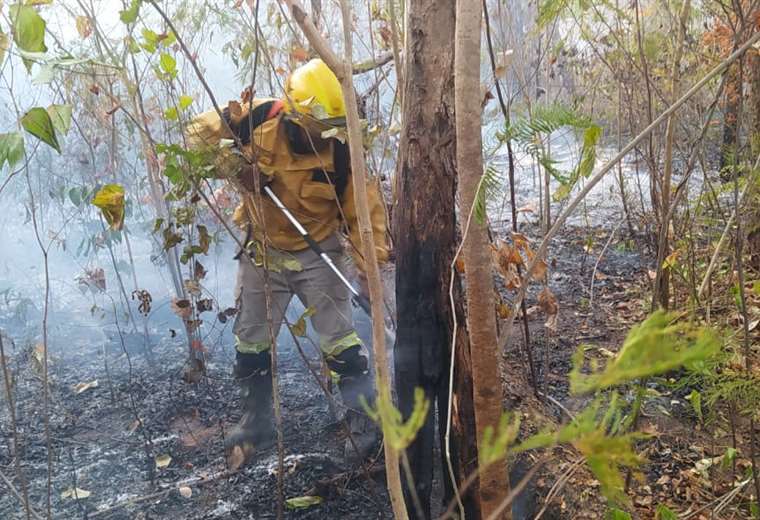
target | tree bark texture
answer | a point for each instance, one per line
(731, 117)
(481, 319)
(426, 238)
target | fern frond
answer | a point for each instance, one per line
(488, 188)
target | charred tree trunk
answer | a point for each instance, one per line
(426, 237)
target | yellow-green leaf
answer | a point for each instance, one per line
(130, 15)
(28, 28)
(168, 64)
(184, 102)
(11, 148)
(299, 327)
(171, 114)
(60, 116)
(163, 460)
(38, 123)
(84, 26)
(303, 502)
(110, 200)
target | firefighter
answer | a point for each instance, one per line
(295, 147)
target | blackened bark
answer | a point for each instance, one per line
(425, 228)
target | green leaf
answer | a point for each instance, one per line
(663, 513)
(728, 458)
(303, 502)
(129, 15)
(617, 514)
(696, 402)
(185, 101)
(28, 28)
(168, 64)
(60, 115)
(151, 40)
(38, 123)
(653, 347)
(171, 114)
(11, 148)
(75, 195)
(110, 200)
(396, 432)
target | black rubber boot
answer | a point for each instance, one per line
(355, 381)
(255, 431)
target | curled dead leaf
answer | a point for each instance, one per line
(83, 387)
(181, 308)
(75, 493)
(549, 305)
(163, 460)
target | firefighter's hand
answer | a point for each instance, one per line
(248, 177)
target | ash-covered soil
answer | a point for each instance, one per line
(112, 440)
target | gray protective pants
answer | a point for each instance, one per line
(304, 274)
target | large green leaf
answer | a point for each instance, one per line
(28, 28)
(60, 115)
(38, 123)
(11, 148)
(110, 200)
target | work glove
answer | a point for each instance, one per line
(248, 174)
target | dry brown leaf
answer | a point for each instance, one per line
(539, 271)
(459, 265)
(503, 310)
(299, 54)
(236, 458)
(193, 287)
(181, 308)
(549, 305)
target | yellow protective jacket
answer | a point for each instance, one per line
(299, 181)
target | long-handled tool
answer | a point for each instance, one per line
(360, 300)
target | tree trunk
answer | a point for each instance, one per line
(754, 98)
(731, 119)
(481, 319)
(426, 237)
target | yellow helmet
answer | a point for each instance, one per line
(314, 90)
